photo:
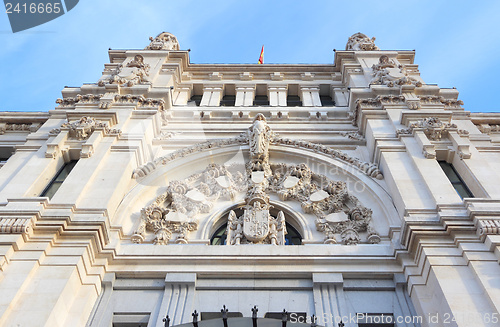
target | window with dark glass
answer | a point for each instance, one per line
(261, 100)
(228, 101)
(456, 180)
(293, 101)
(5, 153)
(196, 100)
(55, 183)
(327, 101)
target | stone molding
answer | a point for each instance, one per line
(369, 169)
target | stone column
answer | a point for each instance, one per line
(310, 96)
(277, 95)
(212, 94)
(182, 94)
(341, 96)
(245, 95)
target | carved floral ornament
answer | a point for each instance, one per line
(139, 100)
(361, 42)
(340, 216)
(433, 128)
(135, 72)
(82, 128)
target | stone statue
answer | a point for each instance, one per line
(361, 42)
(164, 41)
(281, 232)
(260, 137)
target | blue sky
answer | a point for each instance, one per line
(457, 42)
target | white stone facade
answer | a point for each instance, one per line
(345, 161)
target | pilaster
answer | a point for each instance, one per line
(178, 298)
(277, 95)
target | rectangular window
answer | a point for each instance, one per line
(327, 101)
(293, 101)
(5, 154)
(55, 183)
(455, 180)
(228, 101)
(261, 100)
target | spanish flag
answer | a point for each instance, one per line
(261, 58)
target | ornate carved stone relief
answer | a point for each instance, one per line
(488, 227)
(82, 129)
(86, 98)
(361, 42)
(135, 72)
(433, 127)
(141, 101)
(388, 72)
(435, 130)
(353, 135)
(337, 212)
(164, 41)
(18, 127)
(175, 210)
(17, 225)
(367, 168)
(488, 128)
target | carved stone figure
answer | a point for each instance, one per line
(164, 41)
(135, 72)
(361, 42)
(387, 72)
(260, 136)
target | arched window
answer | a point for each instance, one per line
(292, 237)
